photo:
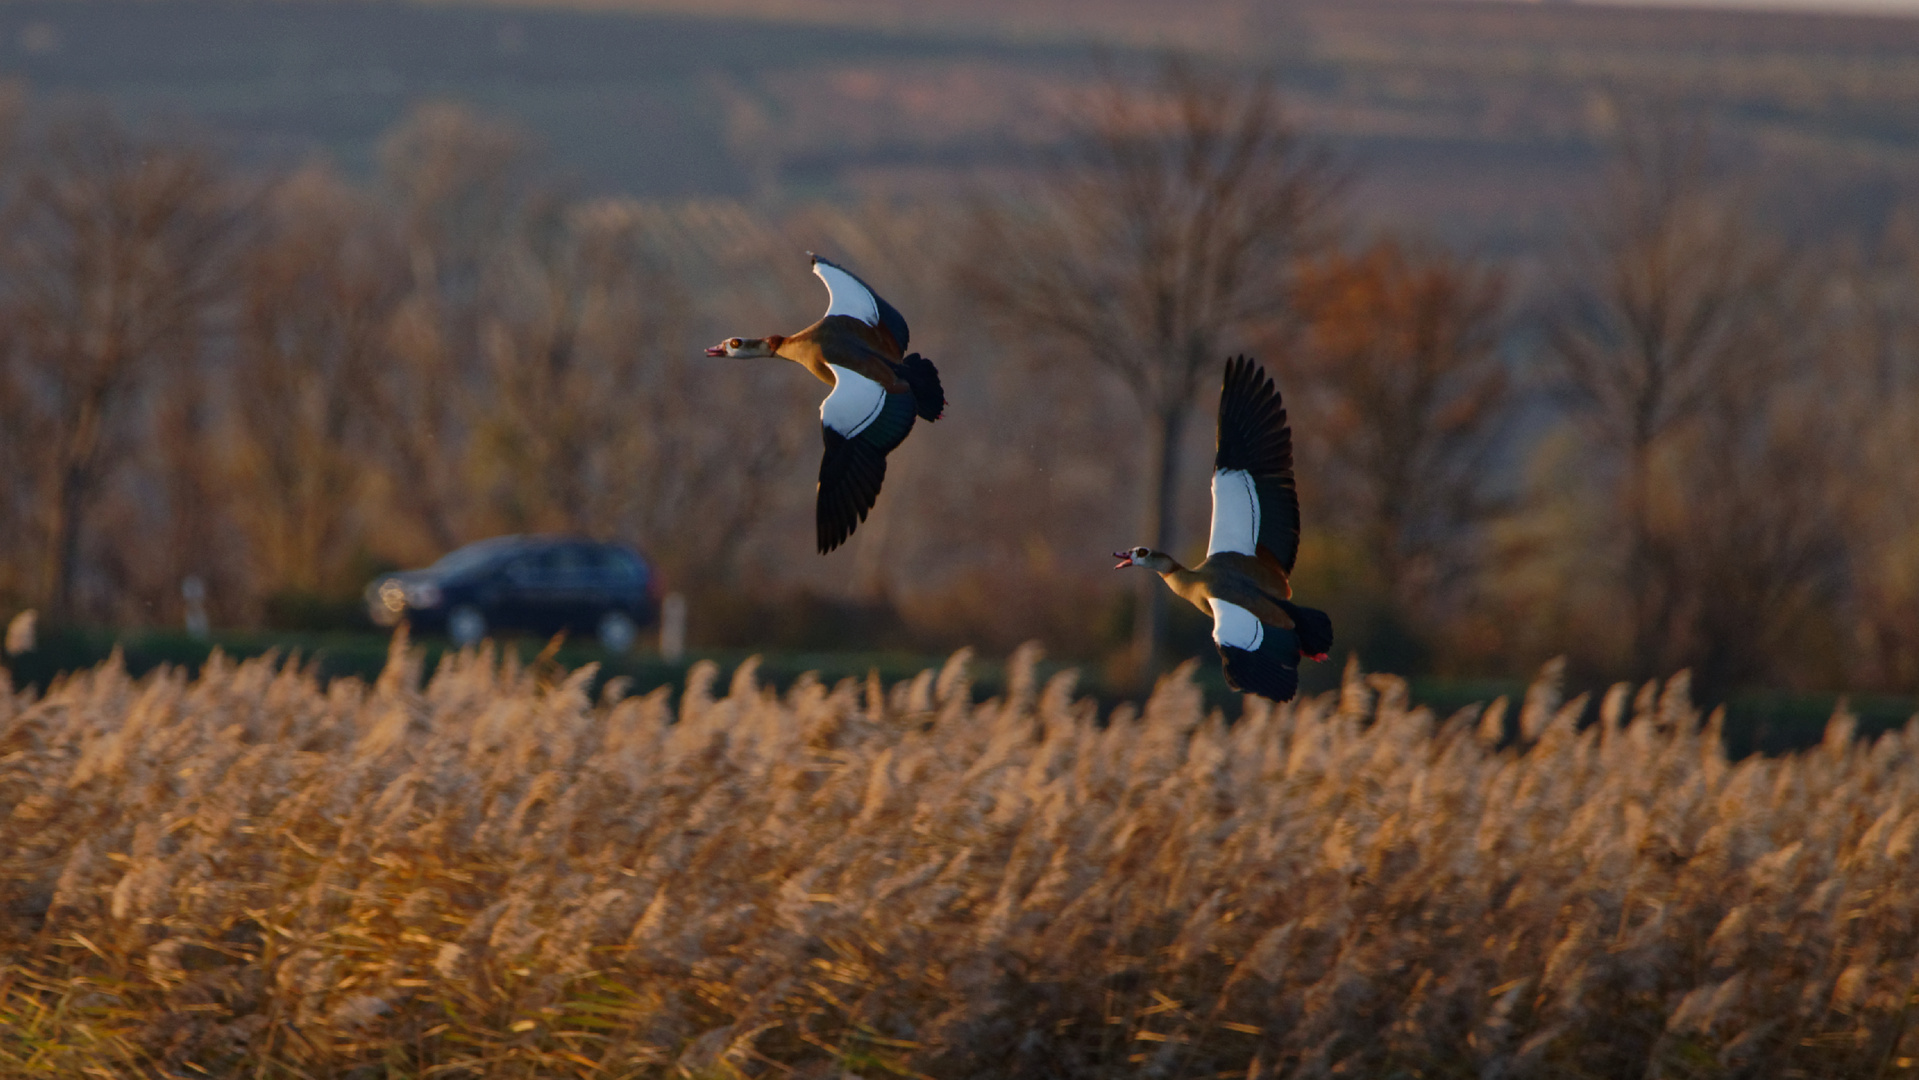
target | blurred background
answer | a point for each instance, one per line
(1599, 326)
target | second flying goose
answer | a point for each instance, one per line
(859, 349)
(1243, 581)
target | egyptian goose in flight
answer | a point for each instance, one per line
(1243, 582)
(859, 349)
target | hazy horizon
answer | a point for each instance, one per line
(1836, 7)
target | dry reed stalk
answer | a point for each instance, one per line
(495, 875)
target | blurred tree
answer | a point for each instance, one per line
(322, 279)
(1171, 236)
(460, 183)
(1399, 396)
(1662, 301)
(600, 414)
(1873, 319)
(1683, 337)
(20, 524)
(186, 533)
(1760, 536)
(723, 455)
(116, 255)
(580, 316)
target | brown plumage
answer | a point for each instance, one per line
(850, 344)
(859, 349)
(1238, 579)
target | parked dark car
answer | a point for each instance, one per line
(535, 584)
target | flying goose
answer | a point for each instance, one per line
(1243, 582)
(859, 349)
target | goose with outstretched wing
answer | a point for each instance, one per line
(859, 349)
(1244, 583)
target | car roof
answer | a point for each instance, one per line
(494, 547)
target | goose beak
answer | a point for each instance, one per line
(716, 350)
(1125, 559)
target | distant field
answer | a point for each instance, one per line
(497, 875)
(1476, 121)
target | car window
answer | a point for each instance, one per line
(570, 562)
(618, 565)
(557, 564)
(472, 556)
(575, 564)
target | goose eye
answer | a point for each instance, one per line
(1139, 553)
(734, 343)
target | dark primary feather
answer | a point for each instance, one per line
(1255, 438)
(851, 473)
(1271, 671)
(852, 470)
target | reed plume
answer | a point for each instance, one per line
(494, 874)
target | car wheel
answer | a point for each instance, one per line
(465, 625)
(617, 631)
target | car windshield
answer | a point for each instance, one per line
(618, 564)
(473, 556)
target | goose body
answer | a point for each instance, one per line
(878, 389)
(1244, 582)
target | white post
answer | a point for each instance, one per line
(20, 635)
(673, 628)
(193, 592)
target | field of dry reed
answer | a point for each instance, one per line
(246, 874)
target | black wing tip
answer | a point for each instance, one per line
(834, 529)
(852, 472)
(1253, 431)
(834, 524)
(1261, 673)
(1246, 377)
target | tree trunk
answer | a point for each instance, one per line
(1162, 470)
(66, 543)
(1647, 581)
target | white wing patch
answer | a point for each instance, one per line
(1235, 513)
(846, 296)
(854, 403)
(1235, 626)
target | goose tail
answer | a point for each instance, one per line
(929, 397)
(1314, 628)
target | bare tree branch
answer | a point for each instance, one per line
(1171, 236)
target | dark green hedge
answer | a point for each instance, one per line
(1760, 720)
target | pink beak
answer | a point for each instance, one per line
(1125, 559)
(716, 350)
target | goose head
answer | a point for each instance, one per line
(1144, 556)
(746, 347)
